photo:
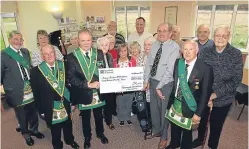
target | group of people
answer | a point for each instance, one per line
(182, 81)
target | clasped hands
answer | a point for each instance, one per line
(94, 84)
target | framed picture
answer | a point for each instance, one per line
(171, 15)
(99, 19)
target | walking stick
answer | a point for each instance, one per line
(205, 136)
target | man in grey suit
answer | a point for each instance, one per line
(159, 79)
(15, 70)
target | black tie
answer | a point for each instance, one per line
(25, 76)
(52, 68)
(87, 55)
(179, 92)
(156, 61)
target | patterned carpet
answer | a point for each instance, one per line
(234, 136)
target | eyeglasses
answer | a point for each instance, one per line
(222, 36)
(48, 54)
(18, 40)
(162, 31)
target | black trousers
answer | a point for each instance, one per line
(27, 118)
(217, 119)
(86, 122)
(180, 137)
(110, 107)
(66, 126)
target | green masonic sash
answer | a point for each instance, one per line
(174, 114)
(89, 68)
(56, 81)
(14, 55)
(28, 95)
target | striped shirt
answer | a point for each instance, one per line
(36, 58)
(119, 39)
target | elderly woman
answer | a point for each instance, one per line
(74, 43)
(112, 49)
(135, 50)
(142, 61)
(42, 40)
(110, 107)
(124, 100)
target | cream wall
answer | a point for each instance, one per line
(35, 15)
(97, 8)
(185, 17)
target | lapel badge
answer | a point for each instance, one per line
(197, 82)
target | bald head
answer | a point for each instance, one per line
(112, 28)
(48, 54)
(190, 50)
(203, 33)
(164, 31)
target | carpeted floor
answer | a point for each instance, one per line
(234, 135)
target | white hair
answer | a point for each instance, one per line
(101, 40)
(151, 39)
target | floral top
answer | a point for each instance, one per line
(123, 64)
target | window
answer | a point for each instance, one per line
(240, 31)
(234, 16)
(126, 18)
(9, 23)
(2, 42)
(204, 15)
(223, 15)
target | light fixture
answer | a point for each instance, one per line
(57, 15)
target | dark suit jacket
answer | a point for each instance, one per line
(11, 78)
(80, 93)
(204, 74)
(45, 95)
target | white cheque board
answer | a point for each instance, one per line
(121, 79)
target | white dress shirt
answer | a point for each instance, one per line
(139, 38)
(190, 68)
(84, 52)
(19, 64)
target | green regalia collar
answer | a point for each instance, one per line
(56, 79)
(87, 65)
(186, 92)
(14, 55)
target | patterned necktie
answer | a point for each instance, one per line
(25, 76)
(179, 91)
(87, 55)
(156, 61)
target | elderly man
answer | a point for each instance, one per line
(176, 35)
(112, 30)
(159, 79)
(15, 77)
(53, 97)
(192, 89)
(203, 33)
(83, 66)
(140, 35)
(227, 65)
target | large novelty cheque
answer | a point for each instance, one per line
(121, 79)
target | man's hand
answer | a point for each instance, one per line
(160, 94)
(213, 96)
(196, 118)
(93, 85)
(146, 86)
